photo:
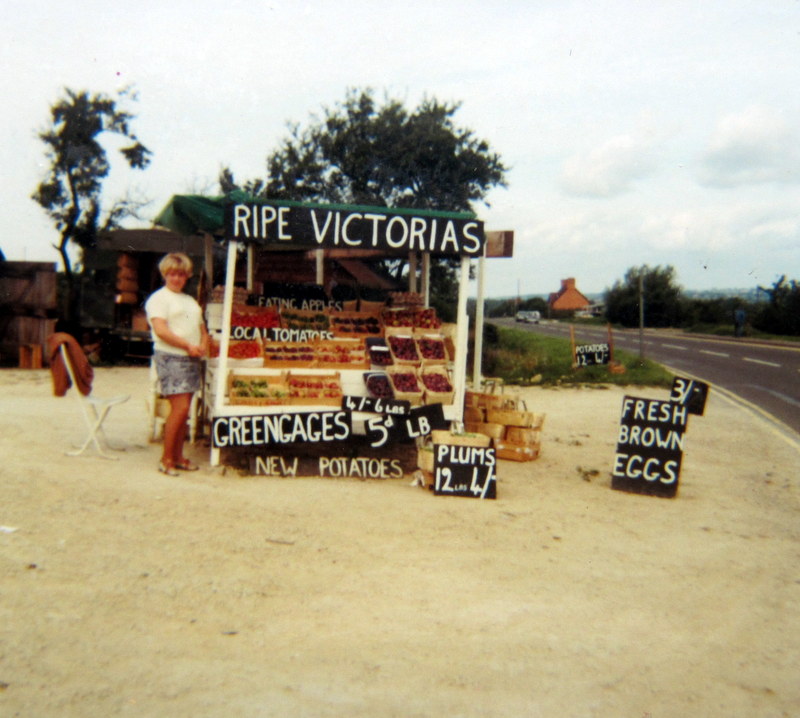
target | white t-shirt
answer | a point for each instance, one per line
(182, 314)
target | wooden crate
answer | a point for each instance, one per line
(355, 324)
(278, 355)
(274, 388)
(324, 389)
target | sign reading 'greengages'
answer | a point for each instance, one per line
(354, 227)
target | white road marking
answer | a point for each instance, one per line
(716, 354)
(674, 346)
(759, 361)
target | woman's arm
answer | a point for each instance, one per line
(163, 332)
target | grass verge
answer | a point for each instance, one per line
(524, 358)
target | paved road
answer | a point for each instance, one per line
(764, 373)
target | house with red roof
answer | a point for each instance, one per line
(568, 299)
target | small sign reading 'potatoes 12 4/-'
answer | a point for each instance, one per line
(464, 471)
(592, 354)
(649, 447)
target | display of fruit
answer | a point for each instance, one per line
(355, 323)
(239, 350)
(288, 353)
(380, 356)
(261, 317)
(405, 299)
(399, 317)
(403, 348)
(304, 320)
(379, 387)
(427, 319)
(257, 389)
(437, 382)
(420, 318)
(406, 383)
(431, 348)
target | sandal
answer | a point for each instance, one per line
(167, 469)
(186, 465)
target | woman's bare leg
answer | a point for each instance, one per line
(175, 428)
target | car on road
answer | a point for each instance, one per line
(528, 317)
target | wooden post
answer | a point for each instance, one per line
(610, 345)
(572, 345)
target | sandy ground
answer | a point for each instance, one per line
(124, 592)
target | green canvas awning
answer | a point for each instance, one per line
(193, 213)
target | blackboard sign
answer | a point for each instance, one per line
(690, 393)
(350, 227)
(464, 471)
(311, 427)
(377, 405)
(420, 421)
(649, 447)
(592, 354)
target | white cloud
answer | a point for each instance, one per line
(752, 147)
(608, 170)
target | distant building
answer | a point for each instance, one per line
(568, 298)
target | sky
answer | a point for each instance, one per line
(659, 133)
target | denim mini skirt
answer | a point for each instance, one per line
(177, 374)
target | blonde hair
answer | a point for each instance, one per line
(175, 262)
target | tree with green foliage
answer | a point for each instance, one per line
(71, 192)
(382, 154)
(662, 298)
(781, 314)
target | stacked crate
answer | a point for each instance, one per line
(515, 431)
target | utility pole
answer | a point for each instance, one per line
(641, 313)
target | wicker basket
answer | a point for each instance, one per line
(511, 417)
(408, 340)
(493, 431)
(520, 435)
(437, 397)
(516, 452)
(414, 397)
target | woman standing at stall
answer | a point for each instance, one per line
(179, 341)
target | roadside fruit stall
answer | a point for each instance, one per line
(303, 381)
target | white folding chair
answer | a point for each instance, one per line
(94, 410)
